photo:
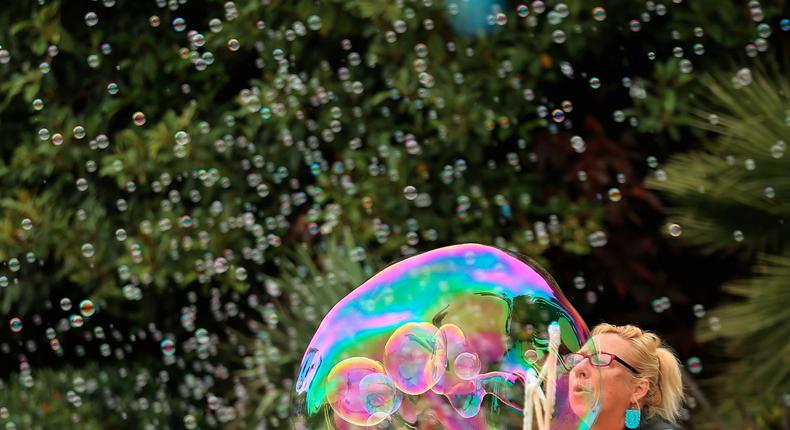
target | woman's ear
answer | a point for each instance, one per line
(640, 389)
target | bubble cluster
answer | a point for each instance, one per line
(443, 329)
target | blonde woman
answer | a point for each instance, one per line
(639, 378)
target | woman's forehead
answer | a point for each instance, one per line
(607, 342)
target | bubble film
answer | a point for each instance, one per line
(465, 336)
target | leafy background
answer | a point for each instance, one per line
(639, 158)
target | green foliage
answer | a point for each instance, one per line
(731, 196)
(290, 322)
(249, 160)
(90, 397)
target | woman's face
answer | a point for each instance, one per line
(612, 385)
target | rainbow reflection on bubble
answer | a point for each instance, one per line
(447, 338)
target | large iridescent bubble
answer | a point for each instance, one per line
(461, 337)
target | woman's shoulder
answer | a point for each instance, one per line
(657, 423)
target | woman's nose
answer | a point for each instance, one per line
(582, 370)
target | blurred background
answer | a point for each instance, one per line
(188, 186)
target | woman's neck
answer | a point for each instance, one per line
(609, 423)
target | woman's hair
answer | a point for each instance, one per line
(656, 363)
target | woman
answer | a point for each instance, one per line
(635, 378)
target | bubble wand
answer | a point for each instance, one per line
(542, 405)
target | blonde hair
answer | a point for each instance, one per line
(658, 364)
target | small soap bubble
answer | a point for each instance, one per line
(314, 22)
(182, 137)
(674, 230)
(410, 192)
(27, 224)
(737, 235)
(531, 356)
(215, 25)
(168, 347)
(615, 195)
(202, 337)
(699, 311)
(198, 39)
(76, 320)
(522, 10)
(467, 365)
(233, 45)
(120, 234)
(559, 37)
(179, 24)
(578, 144)
(65, 304)
(15, 324)
(421, 50)
(113, 88)
(87, 250)
(190, 422)
(138, 118)
(694, 365)
(599, 14)
(78, 132)
(57, 139)
(37, 104)
(91, 19)
(557, 115)
(597, 239)
(635, 25)
(87, 308)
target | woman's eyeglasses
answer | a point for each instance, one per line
(598, 359)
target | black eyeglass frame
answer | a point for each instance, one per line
(589, 356)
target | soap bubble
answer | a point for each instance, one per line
(138, 118)
(113, 88)
(694, 365)
(451, 338)
(410, 192)
(15, 324)
(91, 19)
(168, 347)
(87, 249)
(467, 365)
(76, 320)
(179, 24)
(87, 308)
(599, 14)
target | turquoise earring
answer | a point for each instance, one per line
(632, 418)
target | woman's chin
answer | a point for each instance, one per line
(580, 402)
